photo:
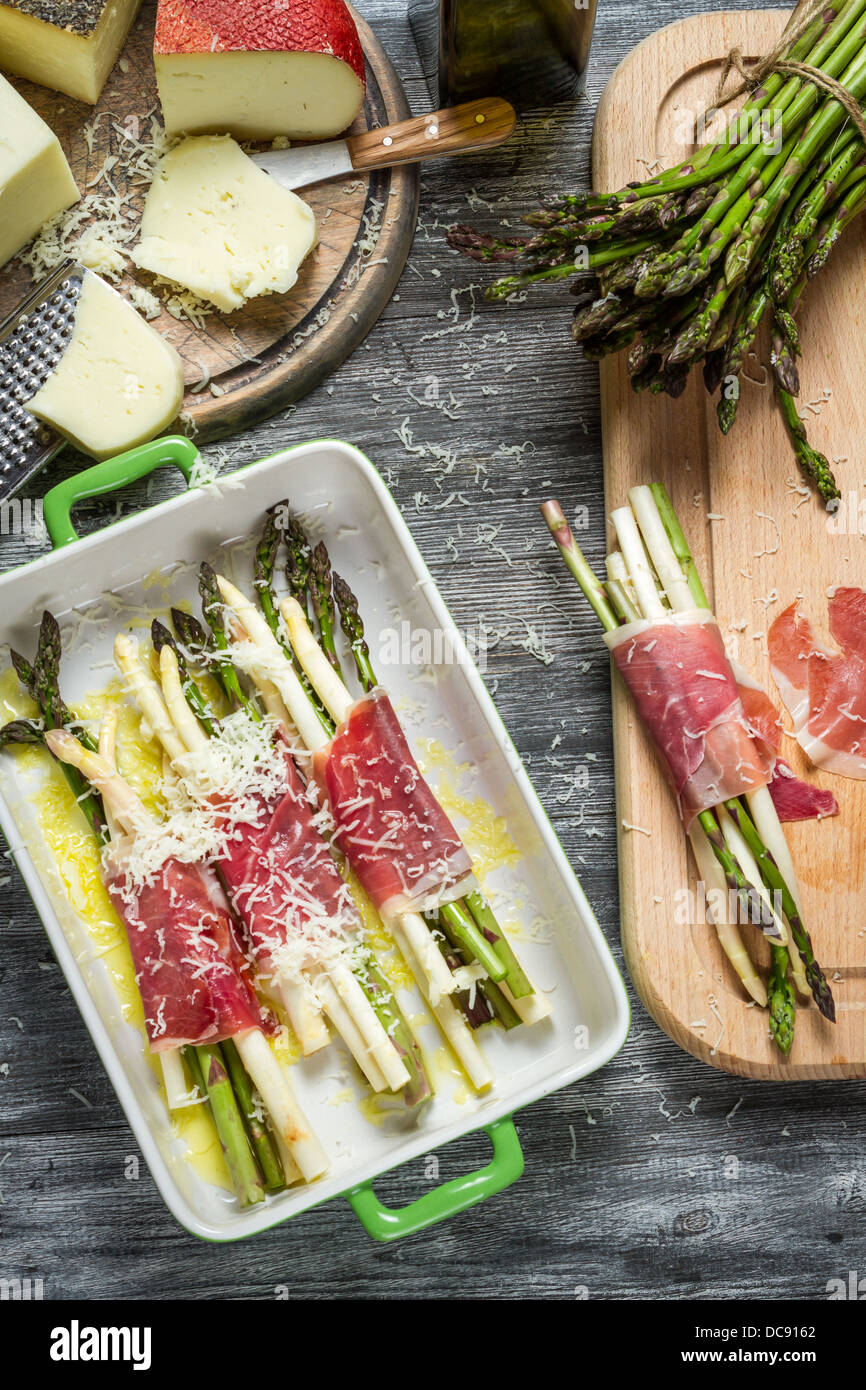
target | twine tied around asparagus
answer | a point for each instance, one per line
(754, 71)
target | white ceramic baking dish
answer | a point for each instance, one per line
(101, 576)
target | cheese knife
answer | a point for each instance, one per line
(475, 125)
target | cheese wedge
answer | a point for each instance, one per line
(258, 68)
(68, 45)
(35, 179)
(218, 225)
(118, 384)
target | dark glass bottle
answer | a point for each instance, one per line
(531, 51)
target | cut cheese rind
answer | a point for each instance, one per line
(258, 68)
(217, 225)
(67, 45)
(118, 383)
(36, 181)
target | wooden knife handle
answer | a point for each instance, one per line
(476, 125)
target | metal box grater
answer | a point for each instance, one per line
(32, 341)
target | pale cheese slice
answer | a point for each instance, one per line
(36, 181)
(118, 383)
(218, 225)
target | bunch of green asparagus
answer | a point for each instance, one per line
(685, 267)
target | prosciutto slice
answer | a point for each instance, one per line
(824, 690)
(284, 884)
(189, 968)
(397, 838)
(793, 798)
(687, 696)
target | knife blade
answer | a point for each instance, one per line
(475, 125)
(308, 164)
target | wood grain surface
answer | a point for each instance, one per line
(751, 534)
(275, 349)
(471, 126)
(659, 1177)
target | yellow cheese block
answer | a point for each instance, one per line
(68, 45)
(35, 179)
(218, 225)
(118, 384)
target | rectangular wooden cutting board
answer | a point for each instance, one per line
(760, 544)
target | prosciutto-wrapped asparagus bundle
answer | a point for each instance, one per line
(259, 831)
(191, 973)
(675, 666)
(399, 841)
(719, 760)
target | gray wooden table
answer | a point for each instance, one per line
(659, 1178)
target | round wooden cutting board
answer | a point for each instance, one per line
(277, 348)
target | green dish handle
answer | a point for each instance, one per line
(390, 1223)
(109, 477)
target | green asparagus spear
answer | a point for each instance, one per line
(353, 627)
(773, 879)
(209, 1073)
(264, 1148)
(323, 602)
(780, 1000)
(214, 612)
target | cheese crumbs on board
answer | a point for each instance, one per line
(217, 225)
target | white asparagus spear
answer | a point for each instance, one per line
(455, 1028)
(273, 664)
(330, 689)
(177, 1092)
(617, 570)
(668, 567)
(108, 750)
(279, 1099)
(376, 1040)
(530, 1008)
(769, 827)
(179, 712)
(712, 874)
(309, 1027)
(637, 562)
(747, 862)
(147, 695)
(125, 806)
(342, 1020)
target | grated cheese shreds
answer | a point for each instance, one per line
(221, 795)
(99, 230)
(218, 790)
